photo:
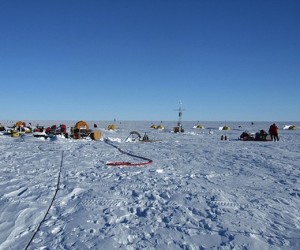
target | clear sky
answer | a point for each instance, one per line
(226, 60)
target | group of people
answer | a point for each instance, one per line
(273, 131)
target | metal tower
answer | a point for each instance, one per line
(180, 111)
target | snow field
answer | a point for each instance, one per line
(199, 192)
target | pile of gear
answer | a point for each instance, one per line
(81, 130)
(18, 129)
(262, 135)
(40, 131)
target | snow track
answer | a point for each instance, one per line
(52, 200)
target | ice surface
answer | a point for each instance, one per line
(199, 193)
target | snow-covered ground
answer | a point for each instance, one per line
(199, 193)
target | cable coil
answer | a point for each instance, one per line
(125, 163)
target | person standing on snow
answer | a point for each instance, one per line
(273, 130)
(145, 138)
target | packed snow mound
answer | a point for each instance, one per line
(114, 139)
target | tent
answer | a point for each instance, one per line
(82, 125)
(161, 126)
(293, 127)
(80, 130)
(224, 128)
(199, 126)
(20, 124)
(111, 127)
(290, 127)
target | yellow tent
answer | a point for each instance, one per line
(160, 127)
(292, 127)
(111, 127)
(199, 126)
(226, 128)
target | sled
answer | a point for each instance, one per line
(255, 139)
(40, 134)
(149, 140)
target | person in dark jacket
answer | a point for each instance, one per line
(273, 131)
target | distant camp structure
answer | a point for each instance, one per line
(18, 129)
(21, 127)
(199, 126)
(153, 126)
(112, 127)
(224, 128)
(179, 128)
(82, 130)
(20, 124)
(293, 127)
(290, 127)
(159, 127)
(79, 131)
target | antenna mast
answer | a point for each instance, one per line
(180, 111)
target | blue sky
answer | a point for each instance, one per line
(134, 60)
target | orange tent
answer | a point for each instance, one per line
(20, 124)
(82, 125)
